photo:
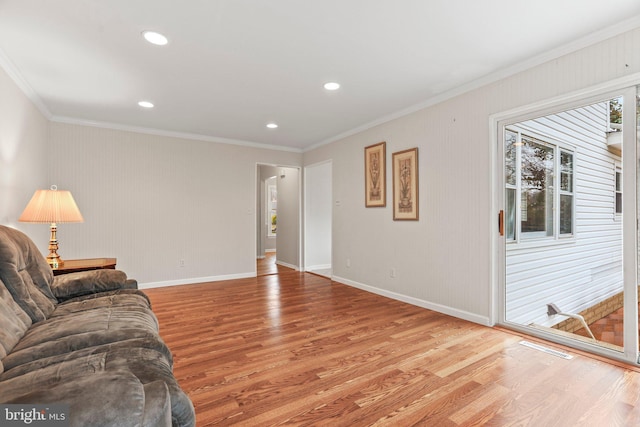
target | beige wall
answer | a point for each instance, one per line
(289, 211)
(152, 201)
(23, 157)
(443, 260)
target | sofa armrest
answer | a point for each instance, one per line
(67, 286)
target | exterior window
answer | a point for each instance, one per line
(566, 192)
(511, 139)
(536, 176)
(539, 188)
(618, 191)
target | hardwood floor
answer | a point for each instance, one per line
(298, 349)
(267, 265)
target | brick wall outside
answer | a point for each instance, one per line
(593, 313)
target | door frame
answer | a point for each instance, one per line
(625, 86)
(257, 194)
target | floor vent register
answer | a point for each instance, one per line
(546, 350)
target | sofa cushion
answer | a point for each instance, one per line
(105, 399)
(26, 274)
(72, 285)
(123, 298)
(14, 323)
(148, 366)
(149, 342)
(75, 331)
(157, 405)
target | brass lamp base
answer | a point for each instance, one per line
(54, 262)
(53, 258)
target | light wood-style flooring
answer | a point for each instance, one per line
(297, 349)
(267, 265)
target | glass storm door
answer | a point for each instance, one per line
(566, 194)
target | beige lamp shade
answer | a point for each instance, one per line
(51, 206)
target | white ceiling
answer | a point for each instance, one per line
(232, 66)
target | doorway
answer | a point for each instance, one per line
(318, 213)
(277, 218)
(567, 262)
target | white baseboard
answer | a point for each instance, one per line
(318, 267)
(320, 273)
(192, 280)
(284, 264)
(461, 314)
(270, 250)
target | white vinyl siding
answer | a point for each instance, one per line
(578, 272)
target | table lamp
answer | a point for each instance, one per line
(52, 207)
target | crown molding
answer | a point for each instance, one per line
(12, 71)
(171, 134)
(591, 39)
(574, 46)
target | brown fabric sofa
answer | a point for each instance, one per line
(87, 339)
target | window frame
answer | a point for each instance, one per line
(571, 192)
(558, 147)
(617, 172)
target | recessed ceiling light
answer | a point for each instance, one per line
(272, 125)
(332, 86)
(145, 104)
(155, 38)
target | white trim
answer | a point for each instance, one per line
(257, 221)
(170, 134)
(630, 223)
(320, 163)
(15, 75)
(322, 273)
(569, 100)
(581, 43)
(284, 264)
(461, 314)
(301, 218)
(317, 267)
(270, 250)
(193, 280)
(617, 169)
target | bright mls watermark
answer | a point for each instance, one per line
(52, 415)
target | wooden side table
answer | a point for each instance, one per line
(74, 265)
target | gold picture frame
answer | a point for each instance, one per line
(375, 177)
(405, 185)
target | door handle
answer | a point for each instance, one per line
(501, 222)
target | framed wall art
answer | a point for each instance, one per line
(405, 185)
(375, 178)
